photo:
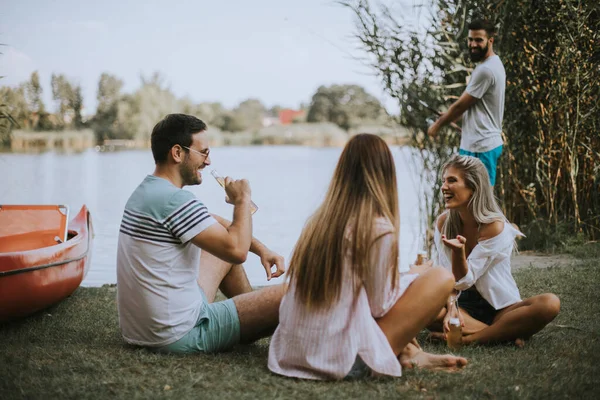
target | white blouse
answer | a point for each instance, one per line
(488, 267)
(323, 344)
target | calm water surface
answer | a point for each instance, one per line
(288, 183)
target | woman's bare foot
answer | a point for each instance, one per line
(412, 357)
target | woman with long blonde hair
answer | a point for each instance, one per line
(475, 241)
(348, 312)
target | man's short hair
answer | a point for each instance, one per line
(171, 130)
(478, 24)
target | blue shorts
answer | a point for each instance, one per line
(488, 158)
(217, 329)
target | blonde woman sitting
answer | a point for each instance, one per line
(348, 312)
(475, 241)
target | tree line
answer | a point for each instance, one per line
(122, 115)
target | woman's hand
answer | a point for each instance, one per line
(457, 244)
(451, 306)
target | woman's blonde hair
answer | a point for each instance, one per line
(363, 188)
(482, 205)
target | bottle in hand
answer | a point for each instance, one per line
(221, 181)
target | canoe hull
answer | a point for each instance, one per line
(36, 279)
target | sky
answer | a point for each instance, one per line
(279, 51)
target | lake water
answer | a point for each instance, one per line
(288, 183)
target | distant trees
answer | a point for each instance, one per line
(25, 105)
(133, 115)
(69, 100)
(108, 96)
(139, 112)
(344, 105)
(248, 115)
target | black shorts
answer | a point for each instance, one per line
(476, 306)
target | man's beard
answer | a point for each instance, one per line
(189, 175)
(479, 54)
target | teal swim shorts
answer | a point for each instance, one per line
(217, 329)
(488, 158)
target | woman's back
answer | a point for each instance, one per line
(323, 343)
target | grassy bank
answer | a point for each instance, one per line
(74, 350)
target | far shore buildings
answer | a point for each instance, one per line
(286, 116)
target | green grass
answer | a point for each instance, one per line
(74, 350)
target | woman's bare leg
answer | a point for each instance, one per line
(417, 307)
(519, 321)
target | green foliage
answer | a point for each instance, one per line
(551, 171)
(69, 100)
(108, 96)
(140, 111)
(551, 162)
(248, 115)
(13, 106)
(344, 105)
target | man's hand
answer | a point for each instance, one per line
(238, 191)
(269, 258)
(433, 129)
(457, 244)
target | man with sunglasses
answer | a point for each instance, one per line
(173, 255)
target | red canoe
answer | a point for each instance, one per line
(41, 260)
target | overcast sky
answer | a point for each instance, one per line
(279, 51)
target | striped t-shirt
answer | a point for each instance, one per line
(158, 296)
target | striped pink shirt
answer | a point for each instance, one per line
(324, 344)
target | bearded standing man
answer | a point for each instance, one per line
(482, 102)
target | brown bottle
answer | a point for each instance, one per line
(454, 335)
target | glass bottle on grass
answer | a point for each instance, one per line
(454, 335)
(221, 181)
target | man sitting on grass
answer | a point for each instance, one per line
(166, 284)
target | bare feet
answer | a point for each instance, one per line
(412, 357)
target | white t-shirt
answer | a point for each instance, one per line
(482, 122)
(158, 297)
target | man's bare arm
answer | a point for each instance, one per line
(455, 111)
(268, 258)
(230, 243)
(256, 246)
